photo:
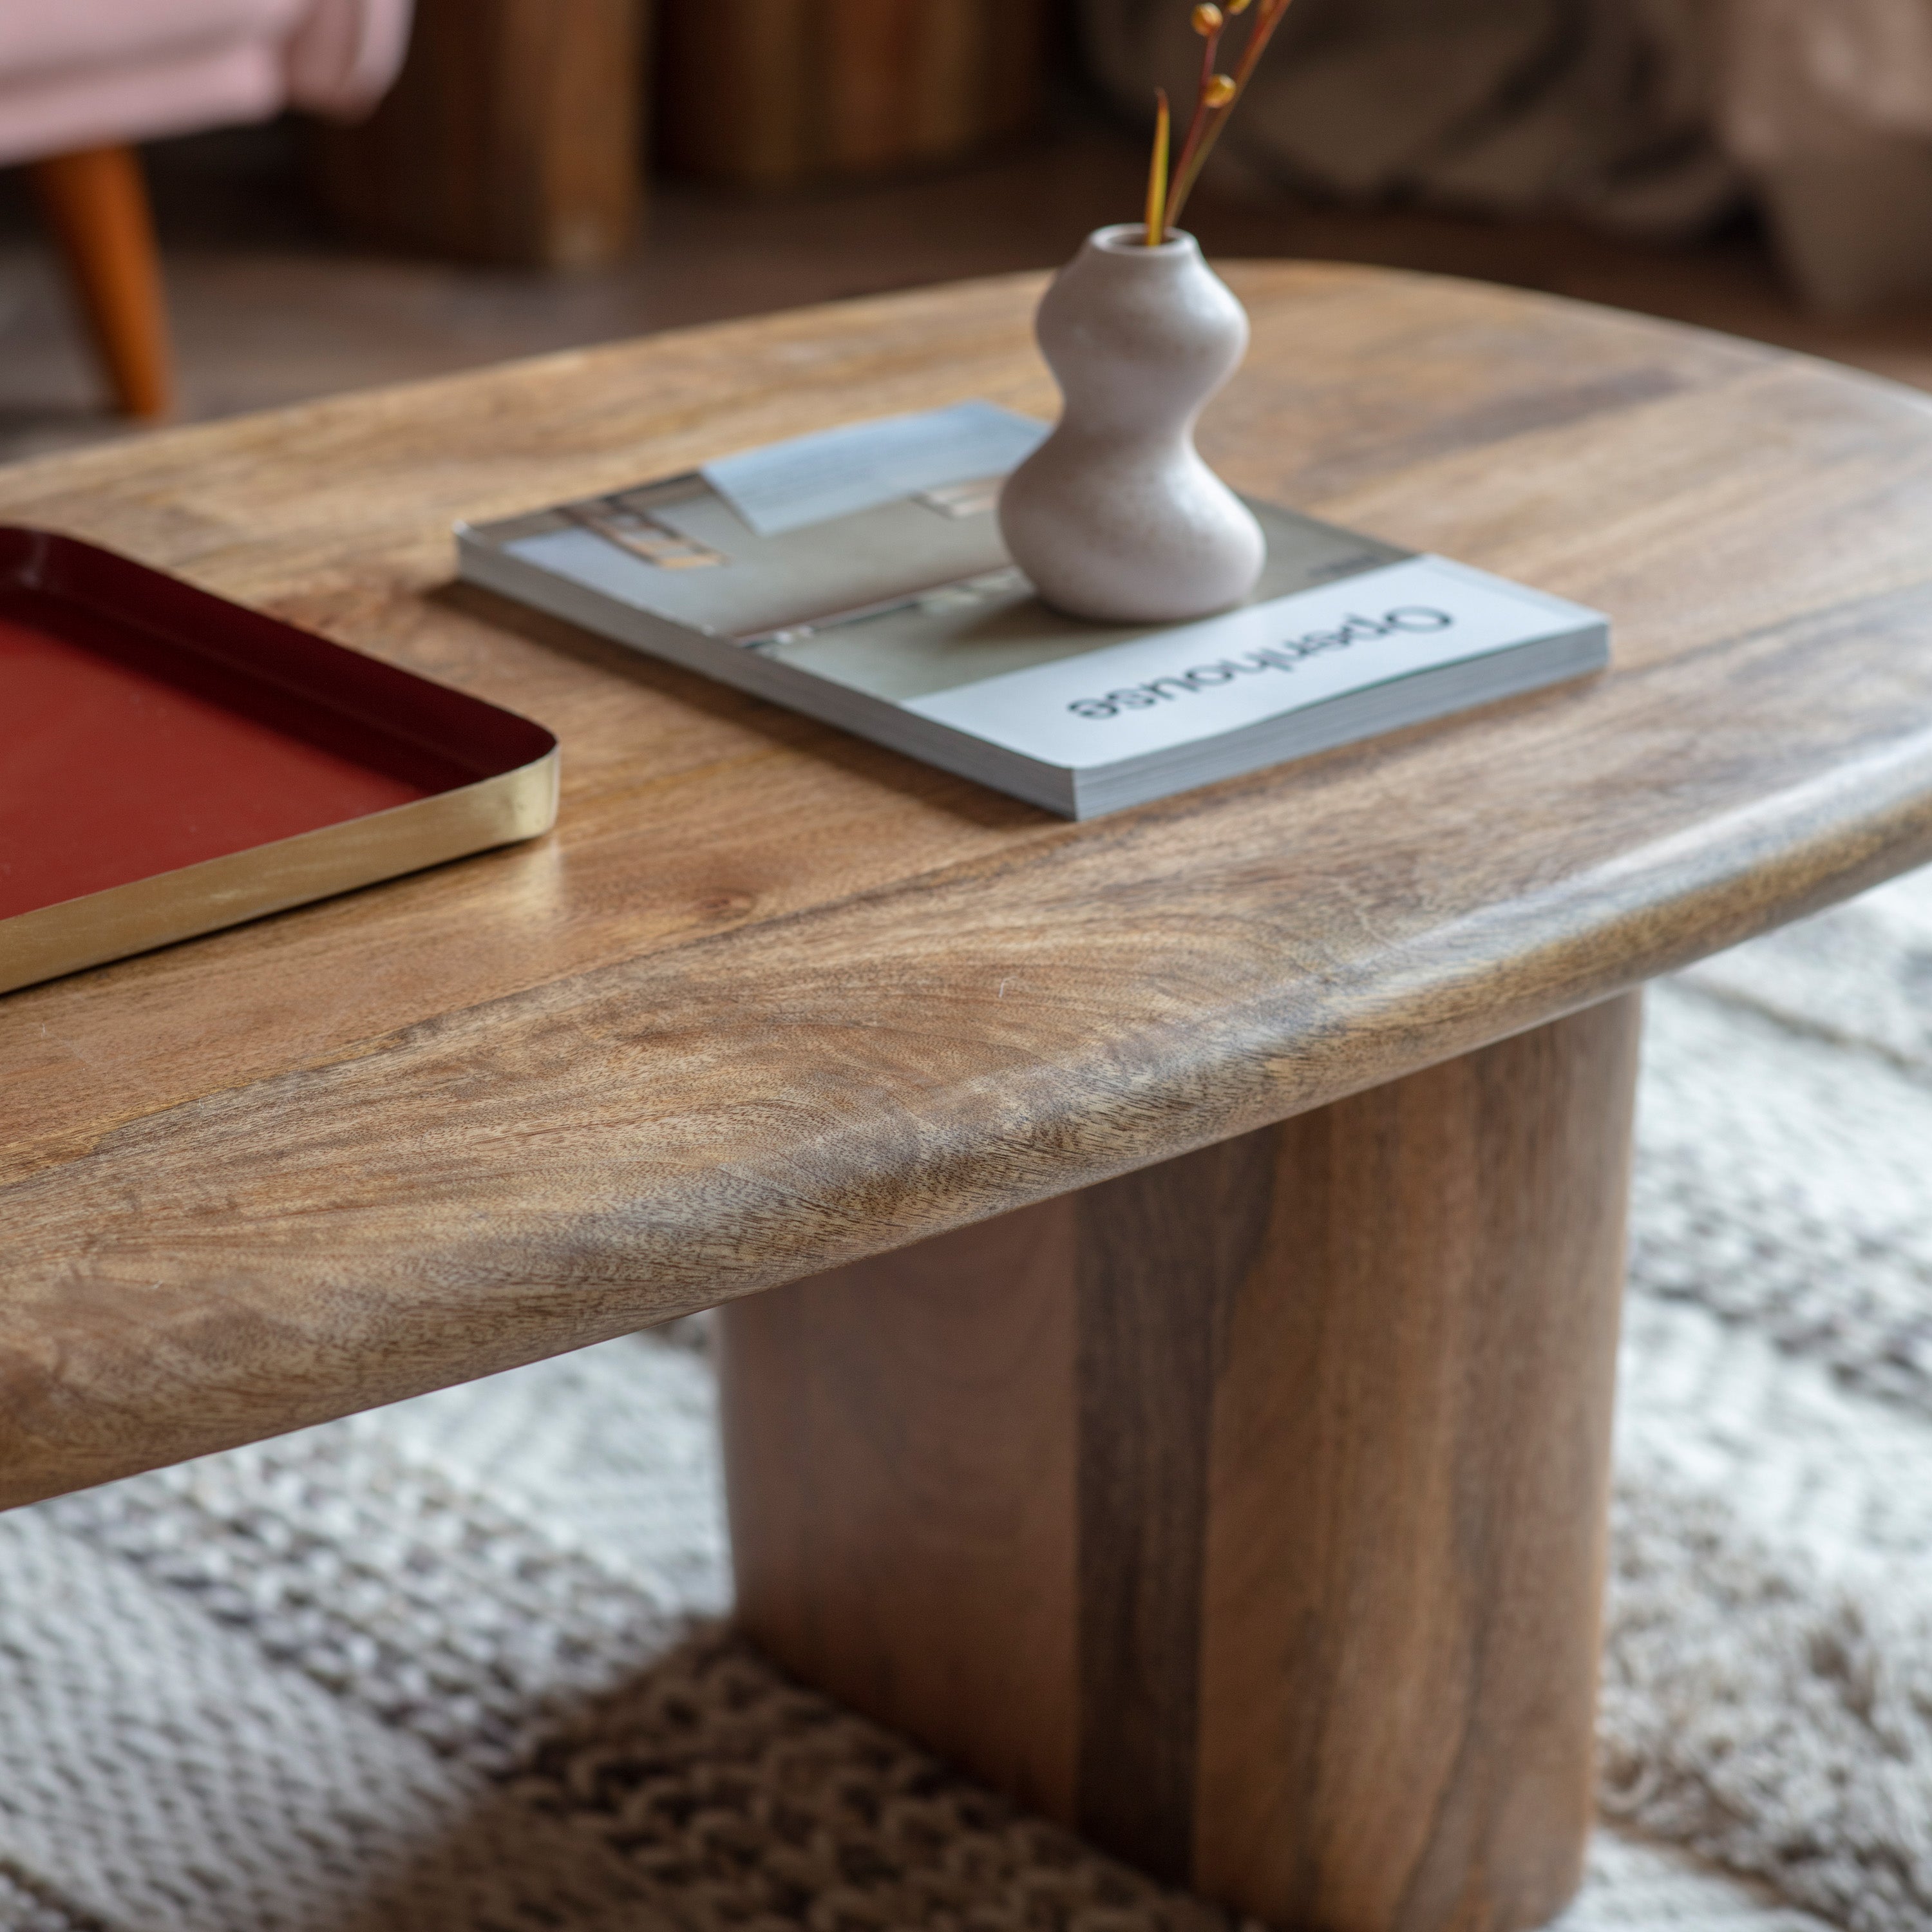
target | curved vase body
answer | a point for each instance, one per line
(1115, 517)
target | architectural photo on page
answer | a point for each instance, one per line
(965, 965)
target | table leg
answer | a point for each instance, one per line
(1246, 1513)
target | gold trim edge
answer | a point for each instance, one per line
(194, 900)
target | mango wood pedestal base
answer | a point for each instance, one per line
(1246, 1513)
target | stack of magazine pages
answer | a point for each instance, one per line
(858, 576)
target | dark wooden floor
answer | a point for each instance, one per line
(269, 309)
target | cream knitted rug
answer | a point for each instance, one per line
(453, 1667)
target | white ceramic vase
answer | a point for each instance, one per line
(1115, 517)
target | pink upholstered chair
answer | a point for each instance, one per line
(81, 80)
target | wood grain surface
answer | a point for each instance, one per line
(772, 999)
(1408, 1510)
(901, 1446)
(1247, 1513)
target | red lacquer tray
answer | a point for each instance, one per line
(171, 762)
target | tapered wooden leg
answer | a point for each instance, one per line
(97, 204)
(1247, 1513)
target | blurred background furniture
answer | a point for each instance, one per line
(82, 81)
(1759, 166)
(1827, 106)
(775, 93)
(96, 205)
(1655, 117)
(514, 135)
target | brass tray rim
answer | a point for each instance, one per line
(236, 888)
(231, 889)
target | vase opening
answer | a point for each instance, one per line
(1129, 238)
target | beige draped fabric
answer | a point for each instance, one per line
(1827, 104)
(1654, 117)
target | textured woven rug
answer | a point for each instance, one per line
(457, 1666)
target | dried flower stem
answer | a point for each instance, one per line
(1215, 98)
(1214, 118)
(1211, 46)
(1157, 177)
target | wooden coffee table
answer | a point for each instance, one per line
(1196, 1418)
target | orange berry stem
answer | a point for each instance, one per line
(1211, 46)
(1194, 157)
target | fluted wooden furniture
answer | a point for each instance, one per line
(514, 134)
(1193, 1236)
(771, 94)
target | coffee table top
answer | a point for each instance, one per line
(771, 998)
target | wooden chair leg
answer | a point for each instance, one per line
(97, 204)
